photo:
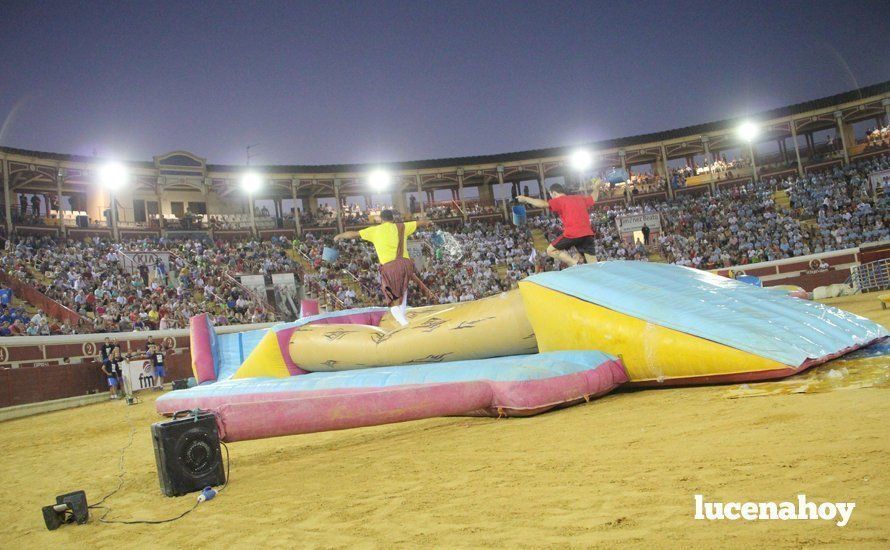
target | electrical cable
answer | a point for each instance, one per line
(98, 505)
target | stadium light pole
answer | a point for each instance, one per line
(113, 176)
(748, 131)
(581, 160)
(250, 184)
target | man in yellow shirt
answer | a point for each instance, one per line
(396, 268)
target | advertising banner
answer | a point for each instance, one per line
(629, 224)
(256, 283)
(285, 281)
(138, 375)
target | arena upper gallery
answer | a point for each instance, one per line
(178, 182)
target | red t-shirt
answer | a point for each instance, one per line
(572, 210)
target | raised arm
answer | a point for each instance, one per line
(347, 235)
(423, 223)
(533, 202)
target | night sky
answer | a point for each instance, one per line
(330, 82)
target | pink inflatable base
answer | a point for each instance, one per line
(259, 415)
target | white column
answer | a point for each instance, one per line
(206, 184)
(667, 171)
(250, 209)
(294, 184)
(622, 156)
(839, 117)
(112, 198)
(541, 177)
(159, 193)
(7, 197)
(706, 143)
(460, 191)
(339, 210)
(796, 149)
(421, 193)
(753, 160)
(500, 170)
(60, 175)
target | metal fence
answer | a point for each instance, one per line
(871, 276)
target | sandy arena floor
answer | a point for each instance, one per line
(620, 470)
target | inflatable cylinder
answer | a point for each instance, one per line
(491, 327)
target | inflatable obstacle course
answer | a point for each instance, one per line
(563, 338)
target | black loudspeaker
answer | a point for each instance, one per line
(181, 384)
(83, 221)
(187, 453)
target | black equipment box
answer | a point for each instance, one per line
(69, 508)
(187, 453)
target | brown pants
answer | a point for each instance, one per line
(394, 278)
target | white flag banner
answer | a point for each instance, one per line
(138, 375)
(878, 180)
(150, 259)
(256, 283)
(285, 281)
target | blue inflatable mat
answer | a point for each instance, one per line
(753, 319)
(500, 369)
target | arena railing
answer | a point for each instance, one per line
(254, 296)
(40, 300)
(315, 286)
(871, 277)
(260, 300)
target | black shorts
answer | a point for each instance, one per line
(585, 245)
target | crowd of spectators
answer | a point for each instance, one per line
(443, 211)
(325, 216)
(91, 278)
(831, 210)
(15, 321)
(877, 138)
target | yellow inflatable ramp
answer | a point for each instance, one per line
(676, 325)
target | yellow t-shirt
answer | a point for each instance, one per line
(385, 238)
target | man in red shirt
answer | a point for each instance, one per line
(572, 211)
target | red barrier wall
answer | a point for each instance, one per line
(56, 381)
(42, 368)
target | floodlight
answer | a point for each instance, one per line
(379, 180)
(113, 175)
(748, 131)
(581, 160)
(251, 182)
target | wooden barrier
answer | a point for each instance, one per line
(41, 368)
(800, 271)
